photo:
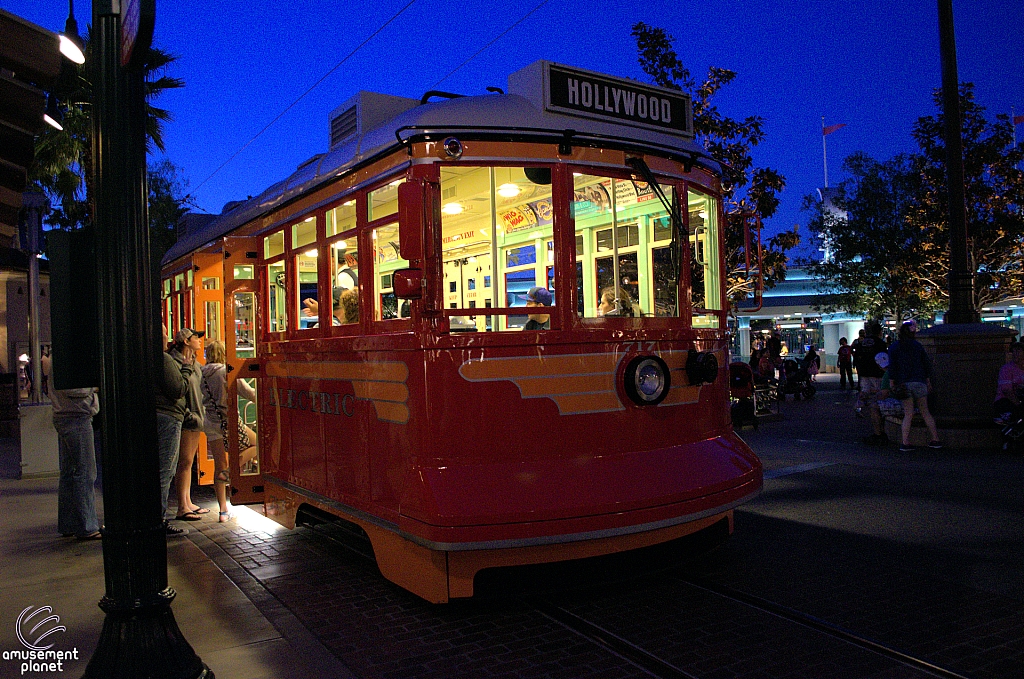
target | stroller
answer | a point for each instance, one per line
(797, 381)
(1012, 431)
(1012, 426)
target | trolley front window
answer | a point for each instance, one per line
(623, 240)
(496, 242)
(705, 255)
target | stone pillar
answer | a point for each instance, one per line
(966, 358)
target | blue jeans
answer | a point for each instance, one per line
(76, 493)
(168, 432)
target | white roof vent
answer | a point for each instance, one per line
(363, 113)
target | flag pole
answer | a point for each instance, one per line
(824, 152)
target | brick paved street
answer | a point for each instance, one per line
(921, 552)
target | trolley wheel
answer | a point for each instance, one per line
(809, 391)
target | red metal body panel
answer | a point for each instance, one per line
(462, 446)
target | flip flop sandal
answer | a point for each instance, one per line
(200, 510)
(188, 516)
(95, 535)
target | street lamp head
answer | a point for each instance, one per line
(52, 114)
(70, 42)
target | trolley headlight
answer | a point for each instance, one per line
(452, 148)
(701, 367)
(647, 380)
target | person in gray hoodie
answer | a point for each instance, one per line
(73, 410)
(169, 391)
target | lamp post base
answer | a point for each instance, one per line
(966, 358)
(144, 642)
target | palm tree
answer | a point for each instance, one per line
(62, 168)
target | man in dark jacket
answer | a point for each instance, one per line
(170, 389)
(871, 359)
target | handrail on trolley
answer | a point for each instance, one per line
(567, 136)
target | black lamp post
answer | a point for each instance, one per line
(140, 637)
(961, 275)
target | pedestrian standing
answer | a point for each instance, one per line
(169, 392)
(844, 360)
(854, 346)
(910, 372)
(188, 345)
(871, 366)
(73, 410)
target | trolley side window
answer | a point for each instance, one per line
(387, 260)
(496, 243)
(248, 453)
(305, 256)
(167, 303)
(623, 237)
(705, 249)
(341, 218)
(277, 297)
(344, 261)
(244, 306)
(383, 202)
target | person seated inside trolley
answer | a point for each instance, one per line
(346, 307)
(536, 297)
(615, 302)
(347, 276)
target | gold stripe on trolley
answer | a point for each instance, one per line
(381, 383)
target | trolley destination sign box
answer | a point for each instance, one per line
(577, 92)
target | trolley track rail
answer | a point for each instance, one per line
(649, 662)
(822, 626)
(611, 642)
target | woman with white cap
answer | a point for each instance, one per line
(188, 344)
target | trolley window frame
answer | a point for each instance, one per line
(557, 321)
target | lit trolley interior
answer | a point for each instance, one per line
(377, 302)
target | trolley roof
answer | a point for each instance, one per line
(517, 115)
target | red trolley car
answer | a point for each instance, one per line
(430, 400)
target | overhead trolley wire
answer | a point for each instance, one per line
(496, 39)
(304, 94)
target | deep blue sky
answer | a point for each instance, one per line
(871, 64)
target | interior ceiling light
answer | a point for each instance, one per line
(453, 209)
(311, 253)
(508, 190)
(339, 245)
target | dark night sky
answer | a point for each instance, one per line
(871, 64)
